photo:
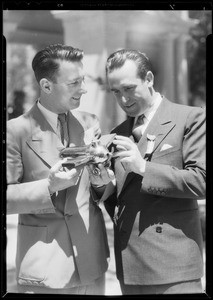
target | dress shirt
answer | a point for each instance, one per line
(51, 117)
(149, 113)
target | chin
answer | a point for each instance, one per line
(76, 105)
(131, 114)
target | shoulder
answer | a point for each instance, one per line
(85, 118)
(19, 123)
(181, 111)
(22, 125)
(88, 121)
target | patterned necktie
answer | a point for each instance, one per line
(136, 132)
(63, 129)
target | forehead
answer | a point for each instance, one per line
(128, 72)
(70, 70)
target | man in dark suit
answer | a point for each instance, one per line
(62, 243)
(159, 165)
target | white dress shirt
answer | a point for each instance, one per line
(51, 117)
(149, 113)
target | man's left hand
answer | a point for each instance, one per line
(129, 155)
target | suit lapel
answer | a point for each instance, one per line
(75, 129)
(160, 125)
(44, 141)
(126, 130)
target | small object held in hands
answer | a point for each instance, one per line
(94, 153)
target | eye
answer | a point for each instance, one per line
(115, 92)
(73, 83)
(128, 88)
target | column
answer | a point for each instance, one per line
(116, 24)
(167, 66)
(182, 70)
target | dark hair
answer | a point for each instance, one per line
(45, 64)
(117, 59)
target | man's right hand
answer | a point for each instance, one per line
(60, 179)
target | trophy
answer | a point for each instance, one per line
(95, 153)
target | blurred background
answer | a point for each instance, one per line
(175, 41)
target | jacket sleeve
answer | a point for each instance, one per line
(190, 181)
(23, 197)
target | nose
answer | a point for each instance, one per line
(124, 98)
(83, 88)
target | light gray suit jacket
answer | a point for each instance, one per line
(62, 239)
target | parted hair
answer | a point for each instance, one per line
(117, 59)
(45, 63)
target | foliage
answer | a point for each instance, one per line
(197, 55)
(19, 71)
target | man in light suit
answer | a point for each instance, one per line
(159, 164)
(62, 244)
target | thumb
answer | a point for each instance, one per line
(111, 174)
(58, 165)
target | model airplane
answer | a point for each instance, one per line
(95, 153)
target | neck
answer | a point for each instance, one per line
(45, 102)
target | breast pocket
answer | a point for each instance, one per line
(159, 152)
(171, 156)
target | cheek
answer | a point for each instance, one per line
(119, 100)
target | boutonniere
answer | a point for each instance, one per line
(150, 143)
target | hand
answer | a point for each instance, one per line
(106, 175)
(129, 155)
(60, 179)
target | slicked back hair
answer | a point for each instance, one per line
(45, 64)
(117, 59)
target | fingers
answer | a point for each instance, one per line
(119, 147)
(65, 172)
(73, 172)
(122, 154)
(110, 174)
(123, 143)
(58, 166)
(122, 138)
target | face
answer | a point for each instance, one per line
(131, 92)
(66, 93)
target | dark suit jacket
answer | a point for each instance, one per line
(158, 236)
(62, 239)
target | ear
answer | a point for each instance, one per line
(46, 85)
(150, 79)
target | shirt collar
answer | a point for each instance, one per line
(151, 110)
(51, 117)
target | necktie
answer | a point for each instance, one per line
(136, 132)
(63, 129)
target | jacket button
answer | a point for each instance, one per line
(158, 229)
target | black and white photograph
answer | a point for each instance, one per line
(105, 113)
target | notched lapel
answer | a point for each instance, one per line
(44, 142)
(44, 148)
(160, 126)
(76, 130)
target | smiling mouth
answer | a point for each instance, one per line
(76, 98)
(128, 106)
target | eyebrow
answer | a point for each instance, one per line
(128, 84)
(77, 78)
(124, 85)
